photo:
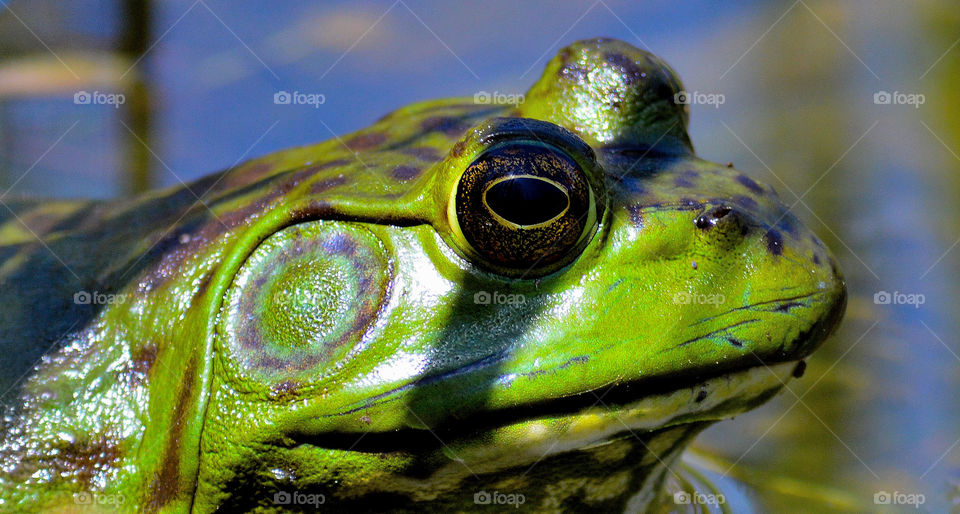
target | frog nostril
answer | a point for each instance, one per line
(714, 216)
(720, 212)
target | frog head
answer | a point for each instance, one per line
(564, 294)
(549, 299)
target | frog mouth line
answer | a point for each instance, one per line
(618, 408)
(654, 385)
(639, 396)
(782, 306)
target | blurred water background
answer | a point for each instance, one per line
(803, 109)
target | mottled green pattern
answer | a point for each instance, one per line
(431, 370)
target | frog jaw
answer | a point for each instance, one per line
(549, 458)
(585, 419)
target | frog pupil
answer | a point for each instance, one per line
(526, 200)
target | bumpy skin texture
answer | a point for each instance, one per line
(303, 328)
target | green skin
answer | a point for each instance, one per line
(314, 325)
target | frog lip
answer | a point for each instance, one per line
(781, 305)
(803, 344)
(623, 396)
(586, 417)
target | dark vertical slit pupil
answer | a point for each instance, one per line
(526, 201)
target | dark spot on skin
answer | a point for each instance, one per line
(636, 214)
(570, 69)
(404, 172)
(693, 264)
(424, 153)
(749, 183)
(682, 182)
(327, 184)
(284, 390)
(690, 174)
(366, 141)
(341, 245)
(141, 361)
(574, 72)
(816, 259)
(788, 226)
(204, 284)
(580, 359)
(690, 202)
(165, 485)
(746, 202)
(458, 149)
(774, 242)
(87, 457)
(452, 127)
(729, 164)
(800, 369)
(735, 342)
(635, 187)
(701, 396)
(630, 70)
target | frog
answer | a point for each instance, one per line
(466, 305)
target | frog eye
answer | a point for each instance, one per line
(524, 207)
